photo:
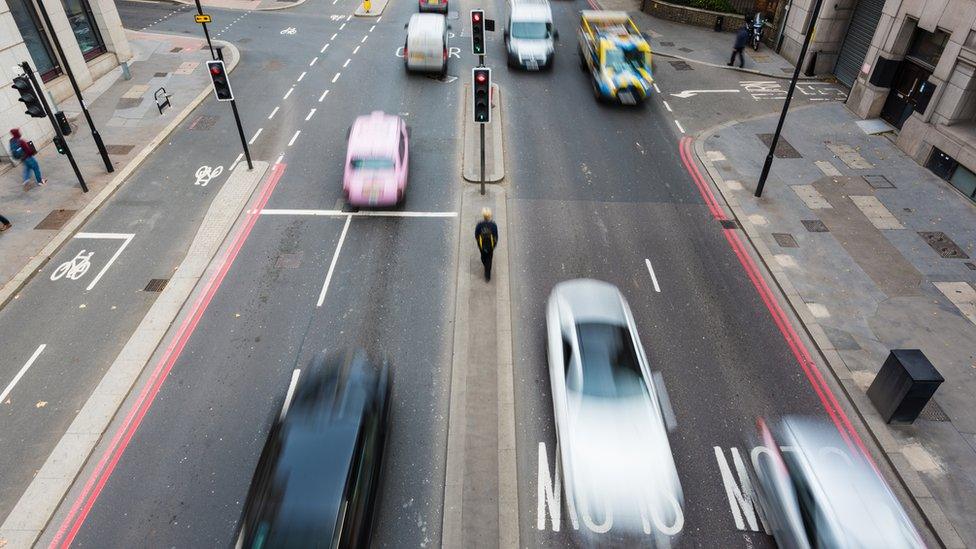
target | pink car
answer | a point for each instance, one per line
(376, 160)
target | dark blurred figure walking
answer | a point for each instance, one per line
(486, 235)
(741, 40)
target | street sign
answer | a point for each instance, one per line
(203, 18)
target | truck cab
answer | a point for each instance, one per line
(617, 56)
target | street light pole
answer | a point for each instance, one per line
(74, 84)
(789, 97)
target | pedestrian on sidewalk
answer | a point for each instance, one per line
(741, 41)
(486, 235)
(24, 151)
(4, 223)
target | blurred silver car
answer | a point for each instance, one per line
(815, 493)
(612, 415)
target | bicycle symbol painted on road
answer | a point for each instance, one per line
(290, 30)
(205, 174)
(75, 268)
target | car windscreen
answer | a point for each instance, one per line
(609, 361)
(623, 60)
(372, 163)
(529, 30)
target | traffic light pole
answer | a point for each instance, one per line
(57, 129)
(481, 63)
(206, 33)
(74, 84)
(237, 117)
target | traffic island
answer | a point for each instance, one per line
(375, 9)
(494, 150)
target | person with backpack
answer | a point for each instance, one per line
(486, 235)
(24, 151)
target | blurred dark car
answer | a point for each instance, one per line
(316, 480)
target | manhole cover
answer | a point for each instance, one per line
(729, 224)
(680, 65)
(161, 74)
(289, 261)
(785, 240)
(667, 44)
(815, 226)
(943, 245)
(118, 149)
(156, 285)
(272, 65)
(203, 122)
(783, 147)
(933, 412)
(55, 220)
(128, 102)
(686, 50)
(878, 181)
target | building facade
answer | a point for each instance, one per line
(911, 63)
(91, 36)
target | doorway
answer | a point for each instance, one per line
(907, 89)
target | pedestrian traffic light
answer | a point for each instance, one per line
(60, 145)
(478, 32)
(28, 97)
(221, 85)
(481, 82)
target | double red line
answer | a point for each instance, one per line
(106, 465)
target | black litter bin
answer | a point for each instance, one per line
(719, 20)
(904, 385)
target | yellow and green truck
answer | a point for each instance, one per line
(617, 56)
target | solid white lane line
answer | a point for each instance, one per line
(333, 36)
(310, 114)
(335, 259)
(324, 48)
(20, 374)
(367, 213)
(363, 41)
(676, 123)
(334, 2)
(293, 138)
(256, 134)
(342, 26)
(653, 277)
(346, 64)
(322, 97)
(349, 17)
(355, 50)
(236, 160)
(313, 61)
(336, 77)
(274, 112)
(127, 238)
(301, 76)
(666, 106)
(291, 392)
(657, 89)
(373, 27)
(287, 93)
(378, 19)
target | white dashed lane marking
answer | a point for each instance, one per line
(346, 64)
(336, 77)
(313, 61)
(274, 112)
(676, 123)
(294, 137)
(322, 97)
(287, 93)
(256, 134)
(311, 113)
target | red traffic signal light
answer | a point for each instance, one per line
(481, 78)
(221, 85)
(478, 32)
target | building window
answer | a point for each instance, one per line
(83, 25)
(927, 46)
(956, 174)
(35, 39)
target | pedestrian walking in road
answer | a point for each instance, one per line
(24, 151)
(486, 235)
(4, 223)
(741, 41)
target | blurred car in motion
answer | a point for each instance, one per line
(612, 414)
(425, 48)
(438, 6)
(530, 35)
(317, 478)
(377, 160)
(617, 56)
(814, 493)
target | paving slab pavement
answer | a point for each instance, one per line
(845, 225)
(131, 126)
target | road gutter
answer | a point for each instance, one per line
(927, 506)
(42, 498)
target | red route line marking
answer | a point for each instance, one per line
(796, 345)
(103, 471)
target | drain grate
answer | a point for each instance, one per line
(933, 412)
(55, 220)
(119, 149)
(289, 261)
(686, 50)
(680, 65)
(203, 122)
(128, 102)
(943, 245)
(785, 240)
(783, 147)
(971, 265)
(878, 181)
(667, 44)
(161, 74)
(729, 224)
(177, 49)
(156, 285)
(815, 226)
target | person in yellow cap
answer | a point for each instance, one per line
(486, 235)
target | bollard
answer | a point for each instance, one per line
(904, 385)
(126, 75)
(367, 4)
(719, 21)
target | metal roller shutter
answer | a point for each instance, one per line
(864, 21)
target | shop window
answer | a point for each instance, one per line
(29, 25)
(927, 46)
(84, 27)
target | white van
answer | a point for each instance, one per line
(425, 48)
(530, 35)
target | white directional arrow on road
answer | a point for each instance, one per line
(691, 93)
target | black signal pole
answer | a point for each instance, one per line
(206, 33)
(59, 139)
(237, 117)
(74, 84)
(789, 97)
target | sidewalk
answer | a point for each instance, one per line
(248, 5)
(125, 114)
(843, 226)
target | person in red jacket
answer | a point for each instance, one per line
(23, 151)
